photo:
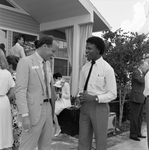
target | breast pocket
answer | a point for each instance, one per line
(100, 82)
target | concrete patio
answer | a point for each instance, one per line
(119, 142)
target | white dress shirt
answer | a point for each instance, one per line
(102, 82)
(146, 89)
(17, 50)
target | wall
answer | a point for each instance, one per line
(18, 21)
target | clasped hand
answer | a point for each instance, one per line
(85, 97)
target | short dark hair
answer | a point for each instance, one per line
(19, 38)
(13, 60)
(2, 46)
(45, 40)
(98, 42)
(57, 75)
(36, 43)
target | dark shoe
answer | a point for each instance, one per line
(135, 138)
(141, 136)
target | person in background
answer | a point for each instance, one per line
(2, 46)
(63, 98)
(17, 49)
(17, 128)
(146, 94)
(6, 92)
(35, 96)
(137, 100)
(36, 44)
(97, 87)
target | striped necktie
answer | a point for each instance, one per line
(45, 78)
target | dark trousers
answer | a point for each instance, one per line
(93, 118)
(136, 114)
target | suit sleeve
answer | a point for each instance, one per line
(136, 76)
(22, 85)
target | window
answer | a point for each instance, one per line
(61, 63)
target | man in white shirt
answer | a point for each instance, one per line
(17, 49)
(94, 97)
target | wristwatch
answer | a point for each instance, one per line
(97, 99)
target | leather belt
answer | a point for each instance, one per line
(47, 100)
(147, 95)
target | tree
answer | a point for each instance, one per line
(123, 51)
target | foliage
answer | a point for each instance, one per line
(123, 51)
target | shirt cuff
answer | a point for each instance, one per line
(97, 99)
(25, 115)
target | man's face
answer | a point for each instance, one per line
(92, 53)
(50, 50)
(21, 41)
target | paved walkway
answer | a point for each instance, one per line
(119, 142)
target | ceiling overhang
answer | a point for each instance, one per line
(58, 14)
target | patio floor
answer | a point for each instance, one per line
(119, 142)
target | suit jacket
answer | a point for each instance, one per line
(138, 85)
(30, 88)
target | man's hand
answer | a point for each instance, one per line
(85, 97)
(26, 123)
(77, 102)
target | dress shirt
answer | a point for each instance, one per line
(17, 50)
(146, 90)
(102, 82)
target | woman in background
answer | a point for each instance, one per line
(17, 127)
(6, 93)
(63, 98)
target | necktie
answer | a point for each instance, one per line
(86, 83)
(45, 78)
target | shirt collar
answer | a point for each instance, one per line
(40, 59)
(98, 61)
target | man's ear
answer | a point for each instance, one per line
(44, 46)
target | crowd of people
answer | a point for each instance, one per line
(31, 96)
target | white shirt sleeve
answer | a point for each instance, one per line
(111, 93)
(146, 90)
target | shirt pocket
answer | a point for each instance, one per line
(100, 82)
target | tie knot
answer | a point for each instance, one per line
(93, 62)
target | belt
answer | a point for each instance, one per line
(147, 95)
(47, 100)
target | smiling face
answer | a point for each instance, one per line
(92, 53)
(21, 41)
(49, 50)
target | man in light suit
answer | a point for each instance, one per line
(137, 100)
(35, 97)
